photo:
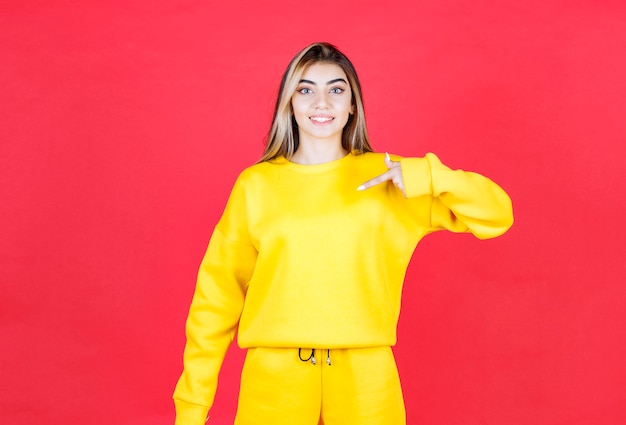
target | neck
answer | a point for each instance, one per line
(318, 152)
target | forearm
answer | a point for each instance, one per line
(462, 201)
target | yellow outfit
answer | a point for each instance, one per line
(360, 386)
(301, 259)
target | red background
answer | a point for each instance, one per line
(123, 126)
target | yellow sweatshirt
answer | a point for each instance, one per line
(300, 258)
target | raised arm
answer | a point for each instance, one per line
(462, 201)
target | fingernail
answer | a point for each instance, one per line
(387, 157)
(360, 187)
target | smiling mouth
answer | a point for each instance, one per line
(321, 120)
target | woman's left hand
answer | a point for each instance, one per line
(394, 174)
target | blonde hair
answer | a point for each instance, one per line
(282, 139)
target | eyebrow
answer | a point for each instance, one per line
(336, 80)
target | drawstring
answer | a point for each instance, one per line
(312, 357)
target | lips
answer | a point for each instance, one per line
(321, 119)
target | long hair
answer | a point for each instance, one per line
(282, 139)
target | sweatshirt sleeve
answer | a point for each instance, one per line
(215, 309)
(462, 201)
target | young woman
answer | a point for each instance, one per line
(308, 260)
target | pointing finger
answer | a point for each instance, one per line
(376, 180)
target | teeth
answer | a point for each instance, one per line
(321, 119)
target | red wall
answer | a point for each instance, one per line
(123, 127)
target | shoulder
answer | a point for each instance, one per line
(261, 169)
(259, 172)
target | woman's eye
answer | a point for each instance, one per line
(305, 90)
(337, 90)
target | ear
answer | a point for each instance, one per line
(352, 109)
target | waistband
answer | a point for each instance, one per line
(312, 356)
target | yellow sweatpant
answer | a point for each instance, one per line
(359, 387)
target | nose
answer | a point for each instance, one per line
(321, 100)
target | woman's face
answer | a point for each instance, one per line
(322, 103)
